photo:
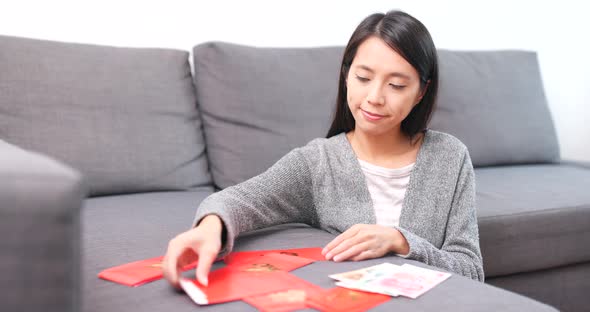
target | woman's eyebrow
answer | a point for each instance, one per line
(392, 74)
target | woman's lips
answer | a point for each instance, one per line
(371, 116)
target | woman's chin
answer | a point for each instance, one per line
(371, 129)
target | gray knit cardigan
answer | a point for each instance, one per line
(322, 184)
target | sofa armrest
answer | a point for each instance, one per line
(40, 201)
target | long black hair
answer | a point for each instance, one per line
(410, 39)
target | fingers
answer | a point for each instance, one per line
(180, 253)
(200, 244)
(352, 251)
(187, 257)
(344, 245)
(336, 253)
(367, 254)
(170, 263)
(360, 242)
(327, 251)
(206, 258)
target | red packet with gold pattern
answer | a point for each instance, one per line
(314, 253)
(270, 262)
(294, 298)
(342, 299)
(229, 284)
(139, 272)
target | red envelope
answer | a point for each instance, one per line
(229, 284)
(139, 272)
(310, 253)
(342, 299)
(270, 262)
(286, 300)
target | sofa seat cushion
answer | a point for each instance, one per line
(533, 217)
(125, 228)
(113, 236)
(126, 118)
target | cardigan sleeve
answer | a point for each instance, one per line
(281, 194)
(460, 251)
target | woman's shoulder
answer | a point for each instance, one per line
(336, 142)
(326, 150)
(437, 141)
(443, 153)
(441, 149)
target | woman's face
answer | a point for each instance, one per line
(382, 88)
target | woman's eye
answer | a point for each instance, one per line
(362, 79)
(397, 87)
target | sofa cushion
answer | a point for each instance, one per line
(533, 217)
(125, 228)
(565, 288)
(260, 103)
(494, 102)
(125, 117)
(113, 236)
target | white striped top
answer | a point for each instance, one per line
(387, 188)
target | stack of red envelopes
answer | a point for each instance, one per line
(252, 275)
(260, 278)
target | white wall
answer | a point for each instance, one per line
(557, 30)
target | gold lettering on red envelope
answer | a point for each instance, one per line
(343, 294)
(260, 267)
(289, 253)
(342, 299)
(286, 300)
(290, 296)
(270, 262)
(156, 265)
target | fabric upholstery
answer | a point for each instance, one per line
(494, 102)
(40, 201)
(565, 288)
(125, 118)
(533, 217)
(259, 103)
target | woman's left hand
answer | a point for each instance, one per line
(366, 241)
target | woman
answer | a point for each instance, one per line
(380, 179)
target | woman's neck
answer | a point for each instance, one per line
(392, 150)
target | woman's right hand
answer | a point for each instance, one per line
(202, 242)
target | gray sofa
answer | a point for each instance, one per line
(107, 153)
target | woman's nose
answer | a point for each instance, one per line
(375, 95)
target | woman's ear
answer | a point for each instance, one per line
(423, 92)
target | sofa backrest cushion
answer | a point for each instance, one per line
(126, 118)
(494, 102)
(257, 104)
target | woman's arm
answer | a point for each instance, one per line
(460, 252)
(282, 194)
